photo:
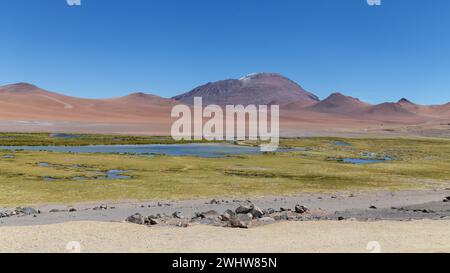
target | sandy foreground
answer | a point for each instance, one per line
(322, 236)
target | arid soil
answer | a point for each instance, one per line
(292, 237)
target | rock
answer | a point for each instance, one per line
(372, 207)
(28, 211)
(241, 221)
(427, 211)
(340, 218)
(244, 209)
(54, 210)
(136, 219)
(177, 215)
(101, 207)
(301, 209)
(152, 221)
(257, 213)
(212, 214)
(270, 210)
(226, 216)
(72, 210)
(214, 202)
(284, 209)
(281, 217)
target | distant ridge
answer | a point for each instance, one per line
(26, 107)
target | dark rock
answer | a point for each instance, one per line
(55, 210)
(244, 209)
(72, 210)
(257, 213)
(301, 209)
(340, 218)
(241, 221)
(372, 207)
(136, 219)
(271, 211)
(177, 215)
(152, 221)
(214, 202)
(227, 215)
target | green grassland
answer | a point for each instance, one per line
(418, 163)
(46, 139)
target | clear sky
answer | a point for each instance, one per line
(107, 48)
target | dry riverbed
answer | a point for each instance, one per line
(401, 221)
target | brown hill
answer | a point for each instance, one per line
(337, 103)
(27, 102)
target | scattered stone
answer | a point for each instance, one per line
(372, 207)
(281, 217)
(177, 215)
(227, 215)
(214, 202)
(212, 214)
(136, 219)
(244, 209)
(241, 221)
(152, 221)
(301, 209)
(257, 213)
(28, 211)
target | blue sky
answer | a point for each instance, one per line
(107, 48)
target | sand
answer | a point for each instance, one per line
(293, 237)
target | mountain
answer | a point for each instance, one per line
(28, 108)
(258, 89)
(337, 103)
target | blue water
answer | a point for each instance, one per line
(363, 161)
(342, 144)
(201, 150)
